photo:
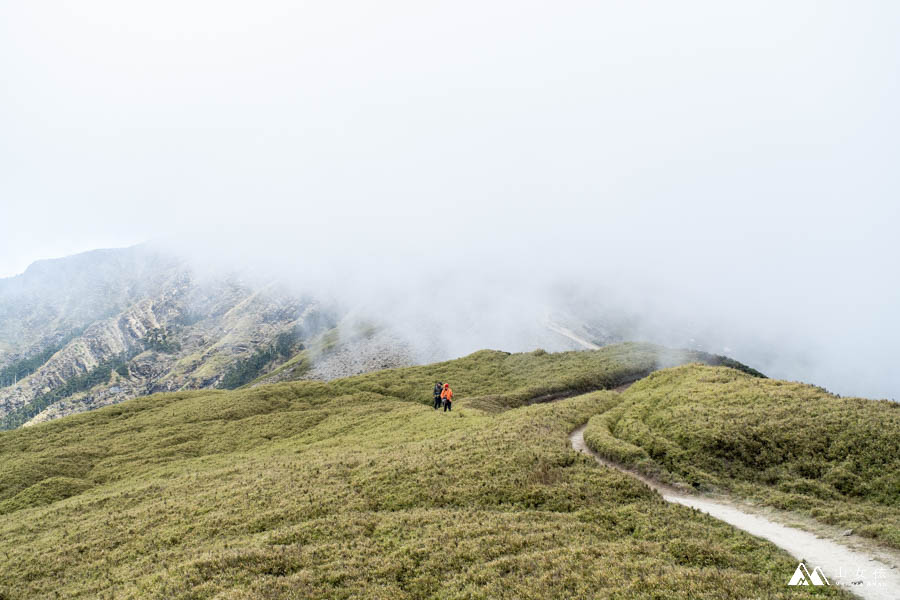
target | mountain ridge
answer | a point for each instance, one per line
(161, 328)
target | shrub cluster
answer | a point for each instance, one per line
(160, 340)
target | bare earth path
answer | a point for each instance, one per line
(867, 572)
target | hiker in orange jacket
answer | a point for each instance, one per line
(447, 397)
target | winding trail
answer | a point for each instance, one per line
(866, 572)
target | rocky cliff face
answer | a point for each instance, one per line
(53, 298)
(133, 322)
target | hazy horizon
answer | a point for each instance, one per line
(729, 169)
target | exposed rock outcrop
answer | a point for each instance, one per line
(166, 332)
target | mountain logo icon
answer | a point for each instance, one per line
(802, 576)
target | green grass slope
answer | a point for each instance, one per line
(789, 445)
(358, 489)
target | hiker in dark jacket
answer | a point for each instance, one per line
(438, 388)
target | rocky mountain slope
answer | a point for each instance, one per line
(104, 326)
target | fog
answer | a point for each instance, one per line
(709, 174)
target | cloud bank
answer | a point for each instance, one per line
(717, 172)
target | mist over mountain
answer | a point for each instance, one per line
(104, 326)
(101, 327)
(817, 311)
(707, 175)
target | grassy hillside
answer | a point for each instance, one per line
(358, 489)
(789, 445)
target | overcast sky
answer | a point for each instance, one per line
(741, 155)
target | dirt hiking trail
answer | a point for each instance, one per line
(865, 570)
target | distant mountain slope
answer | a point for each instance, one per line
(104, 326)
(54, 298)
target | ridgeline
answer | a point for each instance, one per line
(358, 489)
